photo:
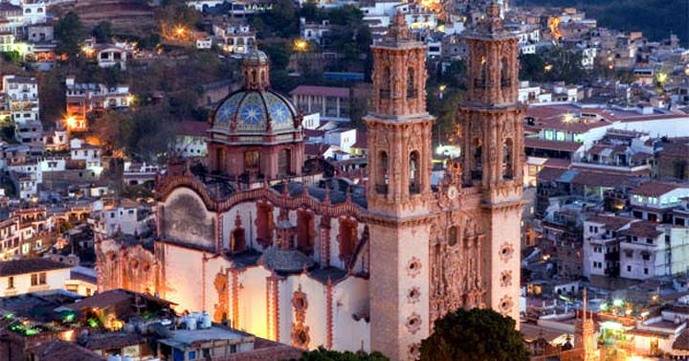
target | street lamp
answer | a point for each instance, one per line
(301, 45)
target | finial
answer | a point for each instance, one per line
(398, 29)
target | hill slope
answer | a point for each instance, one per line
(656, 18)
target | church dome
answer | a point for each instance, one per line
(255, 112)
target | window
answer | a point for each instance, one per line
(649, 240)
(10, 282)
(382, 176)
(411, 83)
(42, 278)
(507, 164)
(645, 271)
(629, 268)
(192, 355)
(385, 84)
(414, 184)
(34, 279)
(251, 161)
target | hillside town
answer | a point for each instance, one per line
(260, 179)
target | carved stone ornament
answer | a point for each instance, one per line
(414, 351)
(300, 335)
(413, 295)
(506, 304)
(506, 278)
(414, 267)
(506, 252)
(413, 323)
(300, 305)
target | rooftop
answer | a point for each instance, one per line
(29, 265)
(326, 91)
(656, 188)
(182, 339)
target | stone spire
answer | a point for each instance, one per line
(398, 30)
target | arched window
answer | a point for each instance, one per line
(505, 79)
(306, 231)
(477, 172)
(481, 81)
(411, 83)
(219, 160)
(452, 236)
(284, 162)
(382, 173)
(254, 76)
(385, 83)
(414, 184)
(264, 224)
(507, 159)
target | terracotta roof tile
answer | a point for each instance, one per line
(326, 91)
(656, 189)
(63, 351)
(29, 265)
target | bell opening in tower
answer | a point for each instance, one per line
(477, 172)
(382, 178)
(414, 186)
(507, 162)
(411, 83)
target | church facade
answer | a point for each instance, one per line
(269, 245)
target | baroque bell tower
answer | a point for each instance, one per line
(492, 144)
(399, 194)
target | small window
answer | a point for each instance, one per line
(42, 278)
(10, 282)
(34, 279)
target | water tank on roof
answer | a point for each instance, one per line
(190, 322)
(206, 320)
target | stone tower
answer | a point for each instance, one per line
(492, 143)
(399, 194)
(586, 333)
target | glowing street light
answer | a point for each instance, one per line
(301, 45)
(180, 30)
(71, 122)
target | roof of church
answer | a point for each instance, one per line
(255, 112)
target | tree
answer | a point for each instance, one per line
(475, 335)
(102, 32)
(321, 354)
(69, 32)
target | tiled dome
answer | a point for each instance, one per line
(255, 112)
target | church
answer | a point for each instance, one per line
(265, 242)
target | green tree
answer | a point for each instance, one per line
(322, 354)
(69, 32)
(102, 32)
(475, 335)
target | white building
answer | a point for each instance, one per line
(80, 150)
(122, 216)
(204, 43)
(342, 138)
(34, 12)
(21, 98)
(32, 275)
(234, 38)
(108, 56)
